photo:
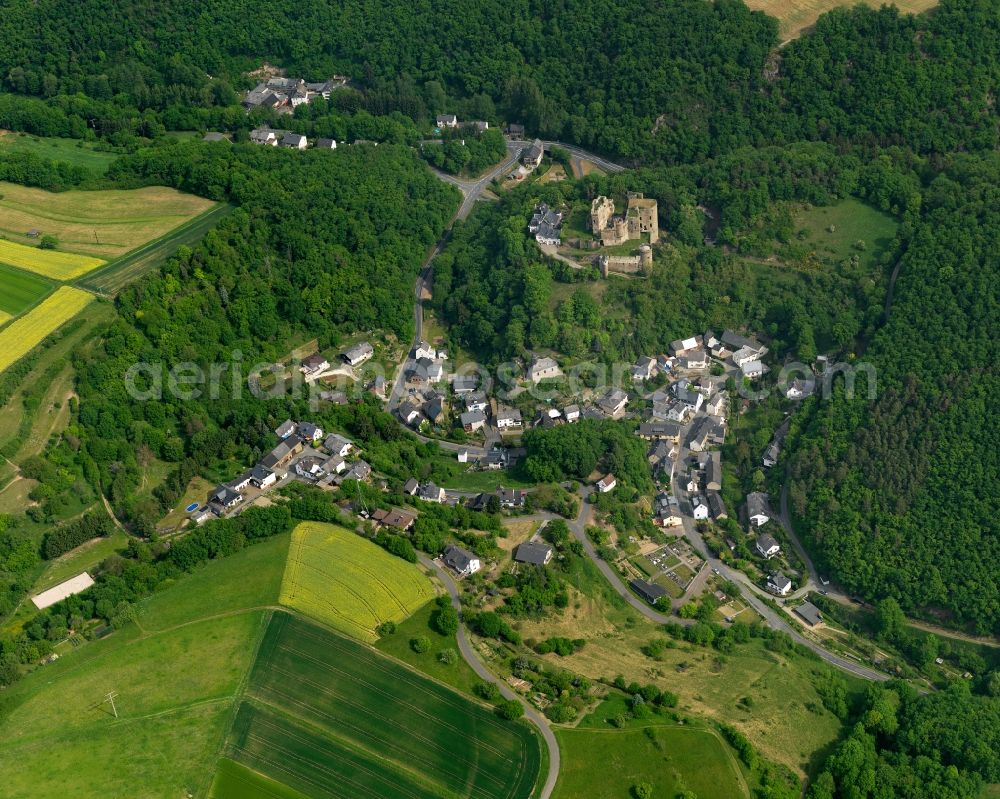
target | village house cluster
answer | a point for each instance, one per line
(286, 94)
(266, 137)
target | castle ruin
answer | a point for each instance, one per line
(640, 217)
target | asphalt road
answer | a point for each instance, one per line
(485, 674)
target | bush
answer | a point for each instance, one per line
(487, 690)
(449, 657)
(386, 628)
(510, 709)
(420, 644)
(642, 790)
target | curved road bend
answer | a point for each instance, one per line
(772, 617)
(465, 647)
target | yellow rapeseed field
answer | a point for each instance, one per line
(351, 584)
(22, 335)
(4, 318)
(50, 263)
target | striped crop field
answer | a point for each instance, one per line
(353, 585)
(22, 335)
(50, 263)
(329, 718)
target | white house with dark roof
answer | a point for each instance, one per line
(294, 141)
(314, 364)
(337, 445)
(473, 421)
(460, 561)
(326, 144)
(447, 121)
(613, 403)
(508, 418)
(429, 492)
(359, 353)
(607, 483)
(778, 584)
(544, 368)
(533, 552)
(285, 429)
(758, 512)
(767, 546)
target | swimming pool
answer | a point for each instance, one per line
(192, 507)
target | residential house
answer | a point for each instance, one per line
(699, 507)
(613, 403)
(434, 409)
(666, 510)
(410, 414)
(335, 397)
(460, 561)
(607, 483)
(310, 432)
(476, 401)
(335, 464)
(533, 552)
(658, 453)
(473, 421)
(226, 497)
(532, 156)
(480, 125)
(771, 454)
(711, 464)
(645, 368)
(686, 393)
(360, 471)
(423, 350)
(799, 389)
(462, 456)
(283, 453)
(694, 360)
(464, 384)
(338, 445)
(571, 413)
(410, 487)
(326, 144)
(735, 342)
(716, 405)
(495, 460)
(241, 482)
(314, 364)
(397, 519)
(767, 546)
(265, 136)
(698, 438)
(778, 584)
(285, 429)
(262, 478)
(758, 512)
(717, 506)
(660, 431)
(753, 369)
(431, 493)
(548, 234)
(508, 418)
(294, 141)
(809, 613)
(651, 592)
(359, 353)
(682, 347)
(709, 341)
(447, 121)
(511, 498)
(543, 369)
(515, 131)
(744, 355)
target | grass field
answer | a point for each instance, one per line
(852, 221)
(178, 673)
(233, 779)
(110, 279)
(796, 16)
(71, 151)
(458, 675)
(337, 720)
(176, 691)
(22, 335)
(351, 584)
(606, 763)
(19, 290)
(106, 224)
(83, 558)
(49, 263)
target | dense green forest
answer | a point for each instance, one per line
(656, 82)
(899, 497)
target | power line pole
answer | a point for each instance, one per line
(111, 698)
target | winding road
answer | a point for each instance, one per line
(470, 656)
